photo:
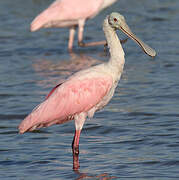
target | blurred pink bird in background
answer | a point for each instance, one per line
(70, 13)
(87, 91)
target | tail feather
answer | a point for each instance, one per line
(28, 125)
(45, 18)
(25, 125)
(38, 23)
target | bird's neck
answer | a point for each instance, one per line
(115, 47)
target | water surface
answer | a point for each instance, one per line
(135, 137)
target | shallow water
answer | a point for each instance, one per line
(136, 136)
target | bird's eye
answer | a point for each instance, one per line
(115, 20)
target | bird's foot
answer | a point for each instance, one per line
(81, 44)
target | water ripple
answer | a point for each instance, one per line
(134, 137)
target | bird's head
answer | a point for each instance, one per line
(117, 21)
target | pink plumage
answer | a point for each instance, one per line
(69, 13)
(74, 96)
(66, 10)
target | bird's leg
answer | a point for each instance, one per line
(81, 24)
(76, 163)
(75, 149)
(98, 43)
(75, 143)
(71, 38)
(79, 121)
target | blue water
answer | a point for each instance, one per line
(136, 136)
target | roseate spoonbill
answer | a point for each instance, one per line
(70, 13)
(88, 90)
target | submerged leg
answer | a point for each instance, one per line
(75, 149)
(75, 142)
(76, 163)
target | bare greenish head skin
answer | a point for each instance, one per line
(117, 21)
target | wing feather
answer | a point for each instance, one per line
(72, 97)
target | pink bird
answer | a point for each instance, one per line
(70, 13)
(87, 91)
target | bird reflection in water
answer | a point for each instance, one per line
(54, 73)
(76, 165)
(103, 176)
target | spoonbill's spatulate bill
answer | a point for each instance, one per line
(70, 13)
(86, 91)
